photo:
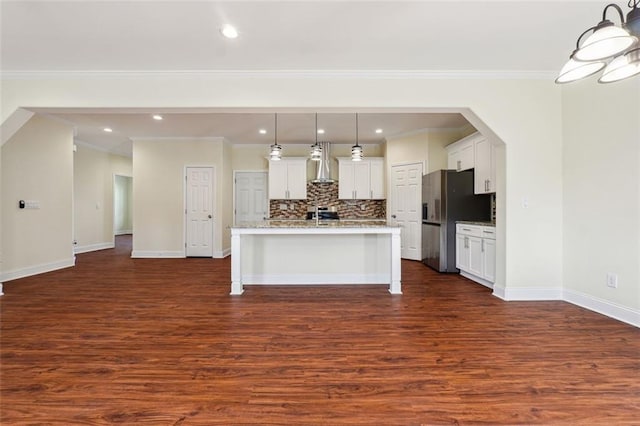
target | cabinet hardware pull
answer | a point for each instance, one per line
(459, 165)
(371, 191)
(482, 246)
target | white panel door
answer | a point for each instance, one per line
(406, 194)
(199, 212)
(250, 196)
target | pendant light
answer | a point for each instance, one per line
(316, 150)
(276, 150)
(356, 150)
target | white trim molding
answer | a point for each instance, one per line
(124, 232)
(604, 307)
(154, 254)
(315, 279)
(93, 247)
(37, 269)
(217, 254)
(527, 293)
(284, 74)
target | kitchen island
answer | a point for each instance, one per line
(299, 252)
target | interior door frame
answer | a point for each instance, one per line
(214, 236)
(113, 200)
(235, 174)
(390, 199)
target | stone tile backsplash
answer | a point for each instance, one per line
(326, 194)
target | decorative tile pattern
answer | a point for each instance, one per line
(326, 194)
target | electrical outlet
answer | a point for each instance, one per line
(612, 280)
(283, 206)
(292, 206)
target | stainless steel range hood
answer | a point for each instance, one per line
(324, 165)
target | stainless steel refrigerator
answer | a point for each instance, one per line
(447, 196)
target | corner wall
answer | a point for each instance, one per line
(37, 165)
(601, 185)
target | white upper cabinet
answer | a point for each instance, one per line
(288, 179)
(485, 167)
(361, 180)
(461, 154)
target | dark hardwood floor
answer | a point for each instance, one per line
(160, 342)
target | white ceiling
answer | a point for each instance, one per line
(485, 37)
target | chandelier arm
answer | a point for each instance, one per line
(616, 7)
(582, 35)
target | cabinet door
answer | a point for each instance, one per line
(345, 180)
(475, 256)
(377, 179)
(467, 157)
(361, 180)
(453, 156)
(484, 172)
(297, 179)
(278, 180)
(489, 259)
(462, 252)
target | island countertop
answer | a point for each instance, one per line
(311, 224)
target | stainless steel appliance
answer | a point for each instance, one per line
(324, 213)
(447, 196)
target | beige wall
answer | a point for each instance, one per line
(601, 183)
(37, 164)
(93, 196)
(158, 193)
(122, 205)
(427, 147)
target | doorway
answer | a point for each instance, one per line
(250, 196)
(199, 202)
(122, 205)
(406, 201)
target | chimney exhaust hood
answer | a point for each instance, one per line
(324, 165)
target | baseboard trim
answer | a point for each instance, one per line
(153, 254)
(93, 247)
(527, 293)
(477, 279)
(604, 307)
(37, 269)
(222, 254)
(315, 279)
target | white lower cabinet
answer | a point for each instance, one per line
(476, 252)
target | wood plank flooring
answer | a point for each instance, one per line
(160, 342)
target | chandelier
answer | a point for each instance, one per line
(614, 48)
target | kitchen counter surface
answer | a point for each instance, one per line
(300, 223)
(470, 222)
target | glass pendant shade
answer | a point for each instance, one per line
(624, 66)
(316, 152)
(276, 152)
(605, 42)
(356, 153)
(575, 70)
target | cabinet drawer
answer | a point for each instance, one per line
(489, 232)
(471, 230)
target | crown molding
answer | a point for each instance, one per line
(280, 74)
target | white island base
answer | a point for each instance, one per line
(304, 255)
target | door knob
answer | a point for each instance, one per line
(210, 216)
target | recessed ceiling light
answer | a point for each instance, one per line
(262, 131)
(321, 131)
(108, 129)
(157, 117)
(378, 131)
(229, 31)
